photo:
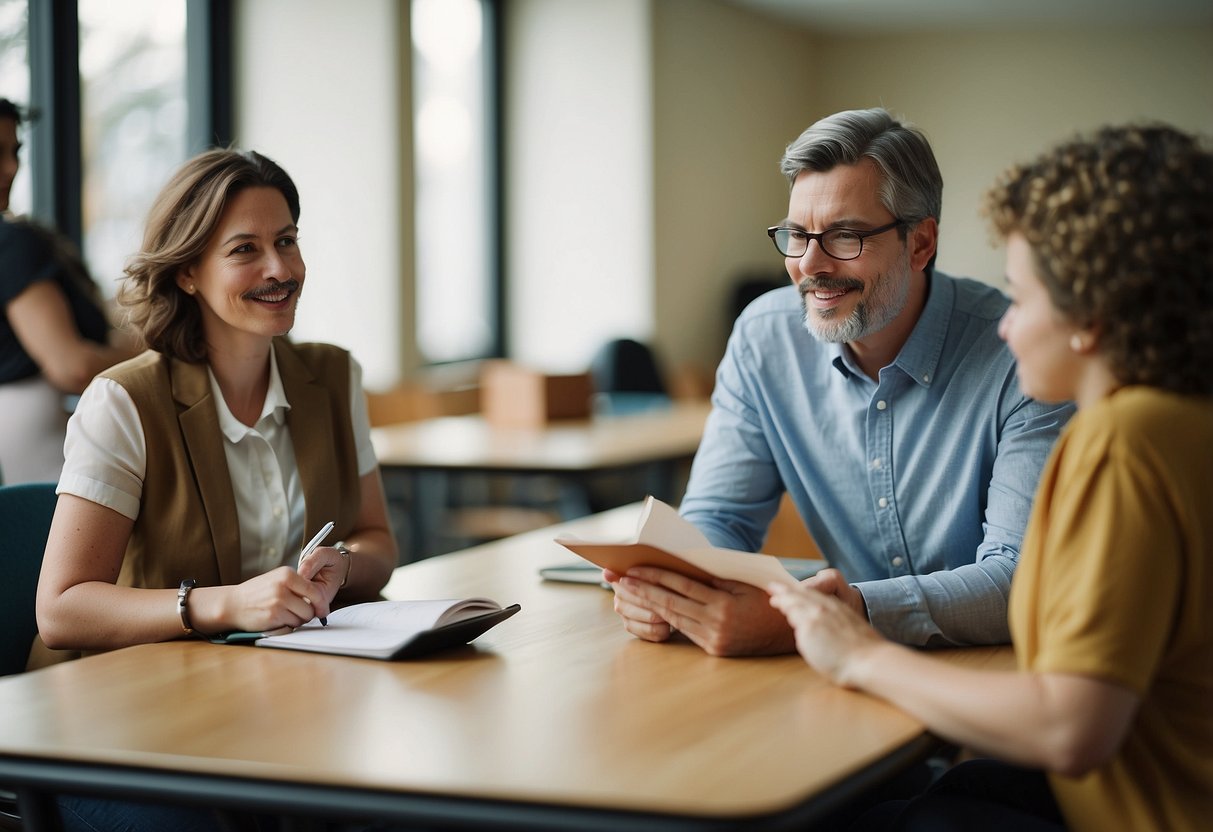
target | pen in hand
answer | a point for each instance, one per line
(310, 547)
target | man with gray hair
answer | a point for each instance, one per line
(876, 392)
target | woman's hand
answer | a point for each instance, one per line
(280, 598)
(327, 568)
(830, 635)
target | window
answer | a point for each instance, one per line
(14, 85)
(134, 116)
(456, 219)
(122, 93)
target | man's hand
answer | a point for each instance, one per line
(726, 618)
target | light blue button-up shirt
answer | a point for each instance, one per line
(917, 486)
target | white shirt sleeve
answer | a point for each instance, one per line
(105, 452)
(361, 421)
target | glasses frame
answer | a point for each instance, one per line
(820, 238)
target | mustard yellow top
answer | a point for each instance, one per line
(1115, 582)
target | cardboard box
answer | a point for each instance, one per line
(519, 397)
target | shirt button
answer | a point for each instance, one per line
(882, 502)
(876, 462)
(926, 376)
(277, 511)
(897, 561)
(881, 405)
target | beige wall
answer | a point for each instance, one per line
(987, 99)
(643, 138)
(730, 90)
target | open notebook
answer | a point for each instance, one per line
(390, 629)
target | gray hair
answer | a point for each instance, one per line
(911, 187)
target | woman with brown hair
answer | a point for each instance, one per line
(195, 472)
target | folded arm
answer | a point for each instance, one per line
(43, 323)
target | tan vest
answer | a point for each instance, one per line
(187, 525)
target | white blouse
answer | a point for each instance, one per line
(105, 459)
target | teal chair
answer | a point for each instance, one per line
(25, 516)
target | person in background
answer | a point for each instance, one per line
(195, 472)
(54, 335)
(876, 392)
(1106, 723)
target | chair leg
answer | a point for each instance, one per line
(38, 810)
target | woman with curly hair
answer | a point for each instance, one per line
(1106, 723)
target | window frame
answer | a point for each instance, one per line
(57, 169)
(494, 84)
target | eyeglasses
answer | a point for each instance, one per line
(839, 243)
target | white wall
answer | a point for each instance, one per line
(318, 91)
(578, 207)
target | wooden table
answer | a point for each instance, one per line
(426, 453)
(554, 719)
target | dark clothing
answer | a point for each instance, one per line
(978, 794)
(29, 254)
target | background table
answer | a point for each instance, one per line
(555, 718)
(426, 454)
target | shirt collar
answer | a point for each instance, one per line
(919, 356)
(275, 405)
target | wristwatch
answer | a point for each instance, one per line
(183, 599)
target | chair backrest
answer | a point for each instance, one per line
(25, 516)
(626, 366)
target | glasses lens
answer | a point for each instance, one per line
(790, 242)
(842, 244)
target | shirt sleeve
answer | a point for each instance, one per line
(734, 488)
(26, 260)
(105, 453)
(1114, 572)
(360, 421)
(968, 604)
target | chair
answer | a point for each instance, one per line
(25, 516)
(787, 535)
(626, 366)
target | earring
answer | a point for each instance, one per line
(192, 288)
(1078, 343)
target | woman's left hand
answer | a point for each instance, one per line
(829, 634)
(325, 567)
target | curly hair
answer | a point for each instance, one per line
(1121, 231)
(179, 226)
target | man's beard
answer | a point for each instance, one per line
(887, 299)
